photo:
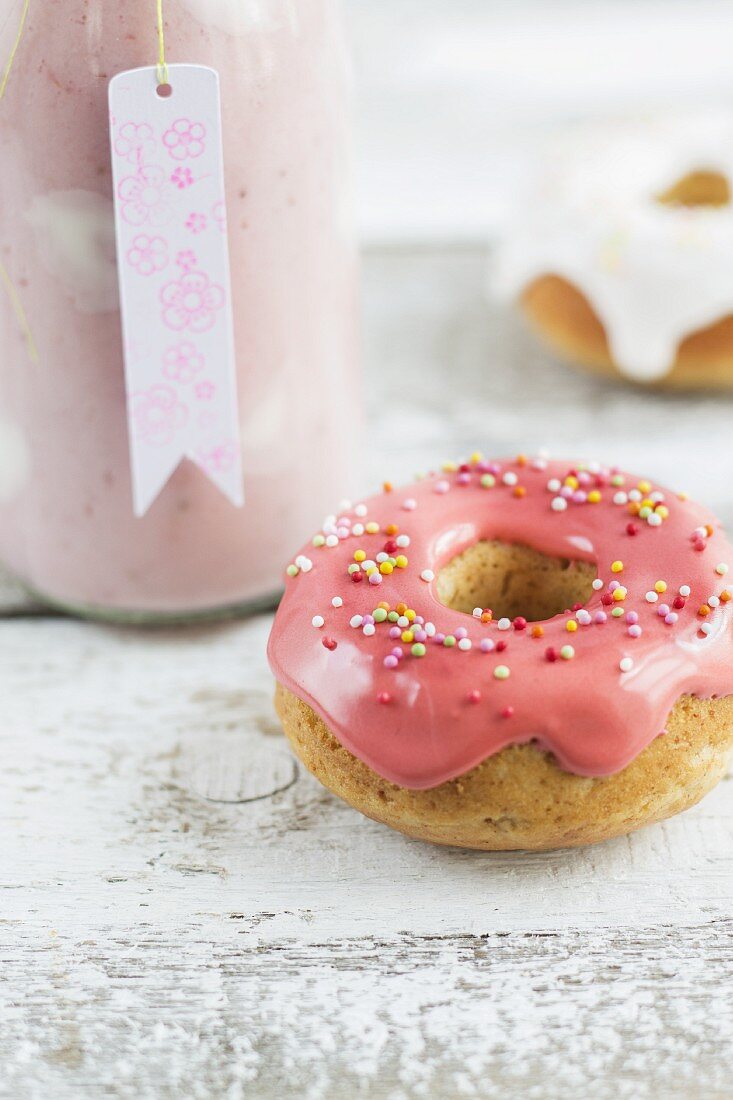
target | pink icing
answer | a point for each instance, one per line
(433, 717)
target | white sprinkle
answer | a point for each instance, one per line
(510, 478)
(620, 498)
(657, 497)
(356, 621)
(427, 575)
(464, 644)
(651, 597)
(332, 540)
(584, 617)
(626, 664)
(654, 520)
(318, 621)
(368, 629)
(382, 557)
(597, 584)
(701, 532)
(410, 504)
(554, 485)
(368, 564)
(707, 628)
(402, 541)
(721, 569)
(635, 495)
(357, 529)
(559, 504)
(337, 602)
(403, 622)
(345, 506)
(685, 590)
(360, 510)
(429, 629)
(714, 601)
(504, 624)
(305, 565)
(477, 612)
(441, 486)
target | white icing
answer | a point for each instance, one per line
(237, 17)
(14, 460)
(75, 236)
(653, 273)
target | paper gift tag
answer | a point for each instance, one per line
(173, 265)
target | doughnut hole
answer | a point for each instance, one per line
(512, 579)
(703, 188)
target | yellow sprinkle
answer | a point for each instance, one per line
(571, 626)
(572, 481)
(359, 555)
(662, 510)
(476, 457)
(450, 467)
(386, 568)
(408, 636)
(619, 593)
(644, 487)
(372, 569)
(371, 528)
(401, 561)
(660, 586)
(410, 614)
(617, 567)
(594, 496)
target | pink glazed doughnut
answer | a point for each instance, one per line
(521, 653)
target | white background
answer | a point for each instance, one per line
(455, 96)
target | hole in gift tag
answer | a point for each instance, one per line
(164, 91)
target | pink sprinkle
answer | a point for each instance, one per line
(579, 497)
(461, 632)
(631, 618)
(632, 529)
(551, 654)
(398, 653)
(441, 487)
(391, 661)
(634, 631)
(520, 623)
(600, 617)
(329, 643)
(420, 635)
(438, 638)
(384, 697)
(663, 610)
(486, 645)
(410, 504)
(671, 619)
(613, 585)
(395, 632)
(501, 646)
(566, 491)
(463, 479)
(474, 696)
(507, 712)
(375, 578)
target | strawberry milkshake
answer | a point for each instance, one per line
(67, 527)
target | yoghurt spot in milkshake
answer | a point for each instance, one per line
(239, 17)
(75, 237)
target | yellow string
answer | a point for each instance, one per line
(19, 312)
(16, 46)
(4, 276)
(162, 66)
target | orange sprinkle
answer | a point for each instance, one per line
(520, 491)
(384, 606)
(537, 631)
(387, 486)
(633, 507)
(709, 530)
(401, 608)
(486, 616)
(391, 529)
(522, 460)
(703, 611)
(725, 596)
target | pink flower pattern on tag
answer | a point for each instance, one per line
(182, 362)
(148, 254)
(134, 142)
(191, 303)
(146, 196)
(157, 415)
(185, 139)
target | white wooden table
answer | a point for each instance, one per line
(185, 913)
